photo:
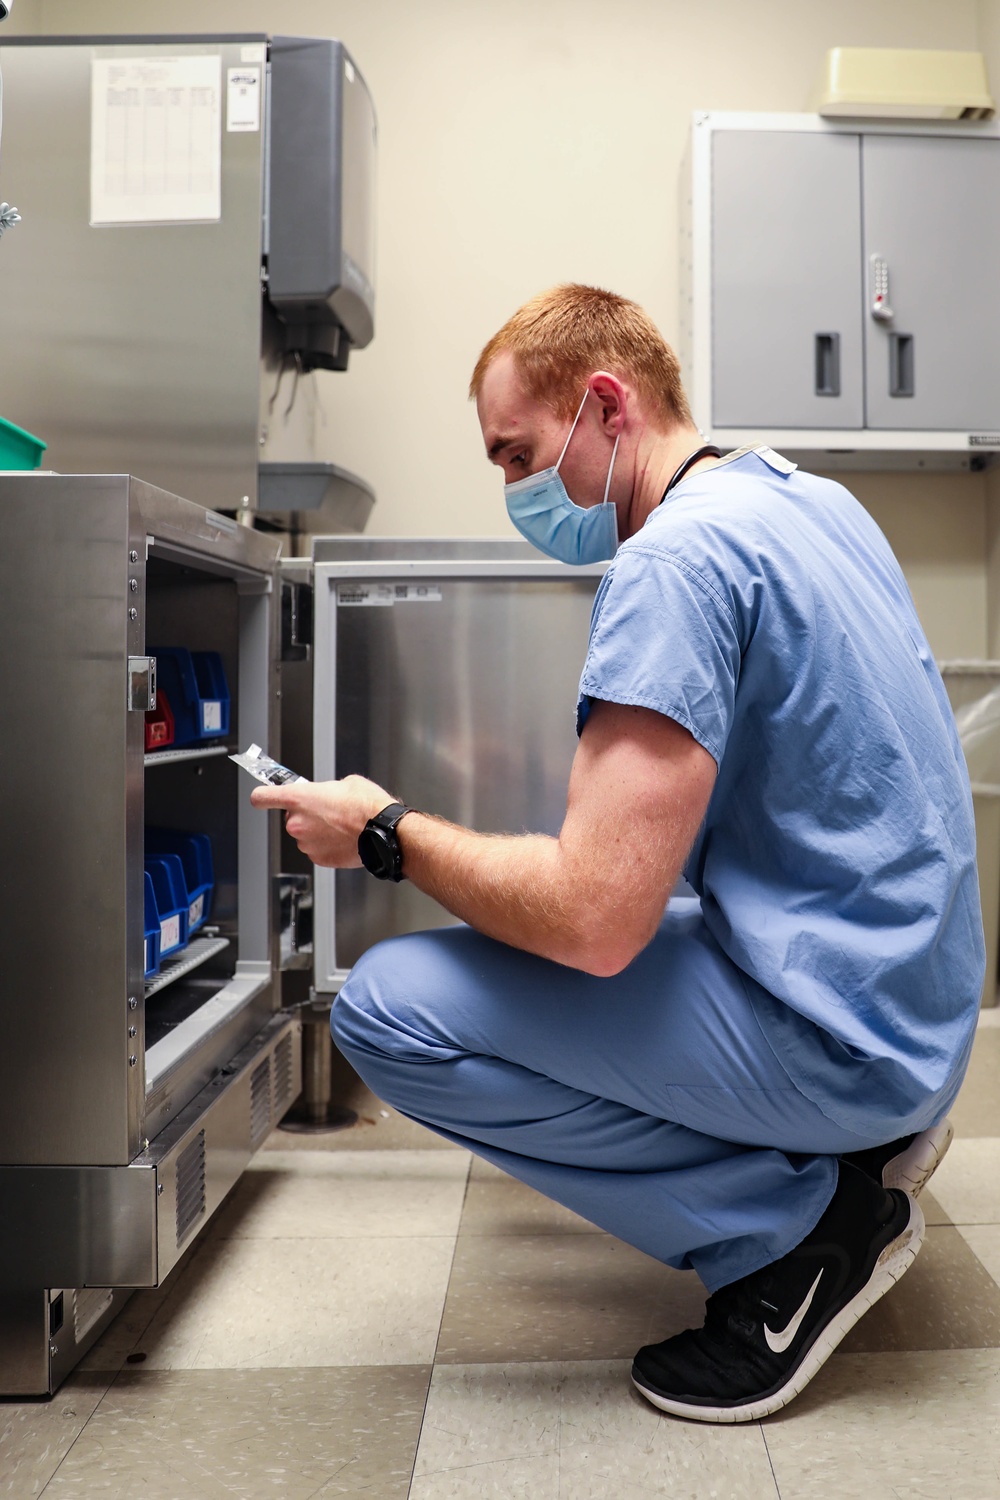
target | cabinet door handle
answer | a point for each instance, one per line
(827, 364)
(901, 364)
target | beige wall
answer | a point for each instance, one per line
(524, 142)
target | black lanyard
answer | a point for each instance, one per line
(708, 450)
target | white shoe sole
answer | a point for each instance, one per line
(895, 1260)
(913, 1168)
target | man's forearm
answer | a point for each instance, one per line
(521, 890)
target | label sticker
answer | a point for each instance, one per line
(417, 593)
(252, 52)
(383, 594)
(170, 933)
(365, 595)
(211, 716)
(243, 99)
(195, 910)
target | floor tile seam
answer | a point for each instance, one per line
(770, 1461)
(114, 1374)
(437, 1337)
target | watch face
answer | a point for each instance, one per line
(379, 852)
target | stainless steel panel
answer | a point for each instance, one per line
(786, 230)
(463, 704)
(71, 824)
(100, 1226)
(932, 214)
(77, 1226)
(24, 1342)
(147, 357)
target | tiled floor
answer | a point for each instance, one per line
(373, 1312)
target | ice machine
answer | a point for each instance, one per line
(197, 241)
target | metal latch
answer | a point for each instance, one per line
(296, 620)
(141, 684)
(295, 907)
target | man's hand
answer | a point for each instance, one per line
(325, 818)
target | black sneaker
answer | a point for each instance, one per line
(766, 1335)
(908, 1163)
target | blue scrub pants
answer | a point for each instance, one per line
(650, 1103)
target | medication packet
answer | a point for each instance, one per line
(264, 769)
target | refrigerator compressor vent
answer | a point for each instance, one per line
(190, 1186)
(260, 1103)
(89, 1305)
(282, 1075)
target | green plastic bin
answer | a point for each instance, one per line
(19, 449)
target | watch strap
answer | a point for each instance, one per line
(390, 816)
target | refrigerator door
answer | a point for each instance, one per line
(450, 680)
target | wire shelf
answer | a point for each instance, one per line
(196, 752)
(197, 952)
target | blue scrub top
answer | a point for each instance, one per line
(764, 610)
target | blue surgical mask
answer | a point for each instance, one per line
(545, 516)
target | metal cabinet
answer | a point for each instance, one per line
(128, 1107)
(839, 292)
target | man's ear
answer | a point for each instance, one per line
(613, 396)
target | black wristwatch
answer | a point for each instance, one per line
(378, 845)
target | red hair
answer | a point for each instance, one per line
(562, 336)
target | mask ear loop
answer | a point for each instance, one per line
(607, 487)
(573, 428)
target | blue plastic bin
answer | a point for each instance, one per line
(194, 850)
(195, 683)
(151, 936)
(170, 893)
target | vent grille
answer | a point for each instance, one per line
(283, 1075)
(89, 1305)
(260, 1103)
(190, 1186)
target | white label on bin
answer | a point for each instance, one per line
(170, 933)
(211, 717)
(195, 910)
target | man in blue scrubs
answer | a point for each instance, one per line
(743, 1083)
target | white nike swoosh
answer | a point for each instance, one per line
(779, 1342)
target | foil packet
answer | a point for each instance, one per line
(263, 768)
